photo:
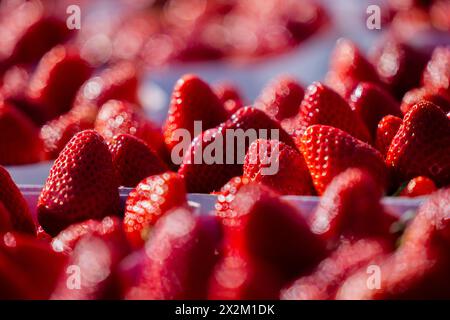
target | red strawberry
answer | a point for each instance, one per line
(94, 261)
(414, 96)
(278, 166)
(81, 185)
(372, 103)
(328, 151)
(323, 283)
(5, 219)
(350, 208)
(422, 145)
(419, 268)
(348, 67)
(119, 117)
(419, 186)
(15, 205)
(192, 100)
(178, 259)
(229, 96)
(57, 79)
(399, 66)
(19, 139)
(322, 105)
(437, 73)
(281, 98)
(152, 198)
(259, 212)
(224, 157)
(386, 131)
(33, 267)
(134, 160)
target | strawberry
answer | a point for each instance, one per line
(419, 186)
(192, 100)
(258, 212)
(213, 171)
(386, 131)
(230, 97)
(324, 281)
(328, 151)
(16, 210)
(412, 97)
(151, 199)
(5, 219)
(81, 185)
(348, 67)
(102, 242)
(178, 258)
(437, 73)
(350, 208)
(281, 98)
(57, 79)
(278, 166)
(134, 160)
(419, 268)
(422, 145)
(371, 103)
(322, 105)
(120, 117)
(33, 267)
(19, 141)
(399, 66)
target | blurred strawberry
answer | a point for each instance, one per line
(281, 98)
(5, 219)
(278, 166)
(422, 145)
(419, 186)
(230, 97)
(192, 100)
(329, 151)
(386, 131)
(58, 77)
(350, 208)
(414, 96)
(372, 103)
(19, 139)
(178, 258)
(437, 73)
(121, 117)
(322, 105)
(134, 160)
(151, 199)
(81, 185)
(15, 206)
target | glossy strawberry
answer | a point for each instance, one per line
(386, 131)
(437, 73)
(350, 208)
(192, 100)
(178, 258)
(325, 280)
(322, 105)
(134, 160)
(422, 145)
(230, 97)
(328, 151)
(278, 166)
(120, 117)
(281, 98)
(419, 186)
(58, 77)
(15, 205)
(372, 103)
(414, 96)
(19, 139)
(151, 199)
(81, 185)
